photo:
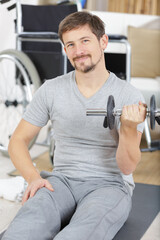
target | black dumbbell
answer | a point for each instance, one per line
(111, 113)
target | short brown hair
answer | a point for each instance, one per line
(78, 19)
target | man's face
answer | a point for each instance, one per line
(83, 48)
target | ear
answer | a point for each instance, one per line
(104, 41)
(65, 51)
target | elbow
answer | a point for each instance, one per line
(129, 167)
(15, 144)
(10, 146)
(127, 171)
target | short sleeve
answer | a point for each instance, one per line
(37, 111)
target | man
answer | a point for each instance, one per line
(88, 194)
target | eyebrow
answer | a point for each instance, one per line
(78, 39)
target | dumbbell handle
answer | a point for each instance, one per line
(116, 113)
(102, 112)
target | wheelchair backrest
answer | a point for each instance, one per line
(35, 20)
(45, 18)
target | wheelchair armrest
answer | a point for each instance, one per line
(39, 35)
(117, 37)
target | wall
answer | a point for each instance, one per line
(7, 27)
(117, 23)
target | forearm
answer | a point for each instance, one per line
(19, 154)
(128, 152)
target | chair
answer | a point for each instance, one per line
(37, 36)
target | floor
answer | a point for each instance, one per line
(147, 172)
(8, 209)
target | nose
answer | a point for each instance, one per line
(79, 49)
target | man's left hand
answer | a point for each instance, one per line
(132, 115)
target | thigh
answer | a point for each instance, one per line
(99, 215)
(41, 216)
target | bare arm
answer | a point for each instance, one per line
(128, 152)
(19, 154)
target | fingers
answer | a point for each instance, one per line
(134, 109)
(130, 112)
(25, 196)
(49, 186)
(133, 114)
(33, 188)
(142, 104)
(143, 110)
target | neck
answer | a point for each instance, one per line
(93, 78)
(89, 83)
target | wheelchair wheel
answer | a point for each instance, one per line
(18, 82)
(27, 64)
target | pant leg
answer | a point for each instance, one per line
(41, 217)
(99, 215)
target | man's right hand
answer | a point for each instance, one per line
(34, 186)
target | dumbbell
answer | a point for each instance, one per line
(111, 113)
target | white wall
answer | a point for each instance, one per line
(117, 23)
(7, 27)
(7, 36)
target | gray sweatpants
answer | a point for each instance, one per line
(76, 210)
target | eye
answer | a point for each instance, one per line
(85, 41)
(70, 45)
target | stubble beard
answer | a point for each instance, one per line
(86, 68)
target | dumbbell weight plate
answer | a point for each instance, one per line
(110, 119)
(105, 123)
(152, 111)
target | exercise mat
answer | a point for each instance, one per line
(145, 207)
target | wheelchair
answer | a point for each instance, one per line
(38, 56)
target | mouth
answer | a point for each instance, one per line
(81, 58)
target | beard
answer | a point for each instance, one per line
(82, 67)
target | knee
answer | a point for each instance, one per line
(41, 206)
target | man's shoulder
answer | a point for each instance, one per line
(125, 92)
(124, 85)
(59, 81)
(116, 81)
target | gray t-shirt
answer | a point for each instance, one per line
(83, 147)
